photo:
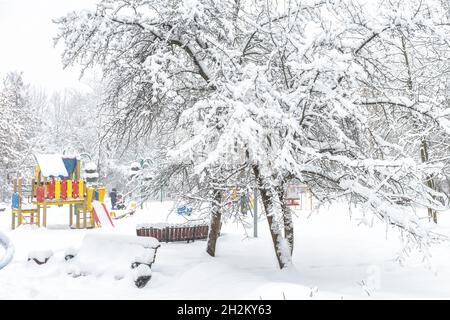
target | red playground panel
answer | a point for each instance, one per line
(40, 191)
(51, 189)
(293, 202)
(75, 189)
(64, 189)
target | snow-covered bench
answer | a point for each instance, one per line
(118, 256)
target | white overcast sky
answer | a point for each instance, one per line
(26, 41)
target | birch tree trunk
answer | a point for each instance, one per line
(216, 218)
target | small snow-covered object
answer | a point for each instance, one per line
(40, 256)
(90, 167)
(147, 257)
(141, 275)
(70, 253)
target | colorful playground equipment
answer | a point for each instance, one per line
(129, 211)
(299, 196)
(241, 201)
(184, 211)
(57, 183)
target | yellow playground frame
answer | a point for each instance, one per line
(35, 212)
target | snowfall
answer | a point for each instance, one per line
(339, 254)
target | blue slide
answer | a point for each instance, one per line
(9, 250)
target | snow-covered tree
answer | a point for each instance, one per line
(239, 91)
(17, 128)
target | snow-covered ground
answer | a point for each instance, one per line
(334, 258)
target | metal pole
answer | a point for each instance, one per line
(141, 184)
(142, 196)
(255, 213)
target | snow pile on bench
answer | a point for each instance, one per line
(114, 256)
(41, 256)
(163, 225)
(9, 250)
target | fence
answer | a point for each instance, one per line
(172, 233)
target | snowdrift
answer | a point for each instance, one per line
(9, 248)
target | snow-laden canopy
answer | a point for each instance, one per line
(51, 165)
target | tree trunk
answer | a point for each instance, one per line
(214, 230)
(275, 230)
(432, 214)
(288, 228)
(287, 218)
(424, 146)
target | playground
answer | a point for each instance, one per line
(57, 182)
(341, 258)
(60, 231)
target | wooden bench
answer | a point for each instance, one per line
(173, 232)
(116, 255)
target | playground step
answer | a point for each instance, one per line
(74, 226)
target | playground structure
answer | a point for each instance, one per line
(58, 182)
(129, 211)
(184, 211)
(241, 202)
(298, 197)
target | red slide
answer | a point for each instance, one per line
(101, 214)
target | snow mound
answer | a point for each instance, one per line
(9, 250)
(70, 253)
(141, 271)
(40, 256)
